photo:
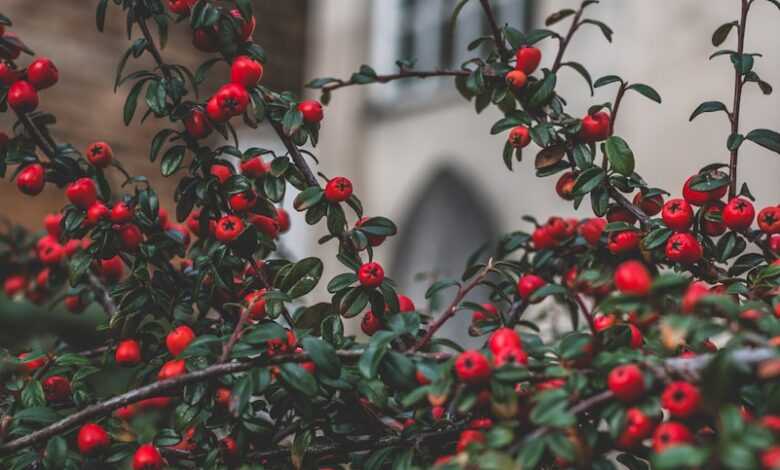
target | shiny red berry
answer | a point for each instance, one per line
(671, 434)
(311, 110)
(565, 186)
(516, 79)
(472, 367)
(246, 71)
(255, 302)
(31, 179)
(128, 353)
(130, 236)
(232, 99)
(74, 304)
(528, 284)
(42, 73)
(519, 137)
(196, 124)
(681, 399)
(283, 218)
(229, 228)
(266, 225)
(121, 213)
(92, 439)
(254, 167)
(178, 339)
(638, 427)
(769, 219)
(738, 214)
(626, 382)
(650, 205)
(504, 338)
(623, 242)
(338, 189)
(591, 230)
(683, 248)
(147, 457)
(99, 154)
(243, 201)
(371, 274)
(595, 127)
(22, 97)
(527, 59)
(370, 323)
(172, 368)
(56, 388)
(469, 437)
(82, 193)
(487, 311)
(96, 212)
(677, 214)
(633, 278)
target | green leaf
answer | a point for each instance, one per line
(646, 90)
(440, 285)
(372, 356)
(544, 92)
(558, 16)
(301, 278)
(296, 377)
(766, 138)
(292, 121)
(708, 107)
(682, 456)
(605, 30)
(307, 198)
(548, 290)
(341, 282)
(588, 180)
(172, 160)
(722, 33)
(606, 80)
(743, 63)
(132, 102)
(323, 355)
(579, 68)
(100, 15)
(620, 155)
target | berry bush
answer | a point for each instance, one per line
(671, 300)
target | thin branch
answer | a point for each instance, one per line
(619, 198)
(738, 85)
(616, 106)
(103, 297)
(497, 36)
(231, 342)
(453, 307)
(575, 24)
(43, 141)
(399, 76)
(296, 155)
(587, 314)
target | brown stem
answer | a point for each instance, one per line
(296, 155)
(738, 84)
(497, 37)
(41, 140)
(616, 106)
(575, 24)
(587, 314)
(400, 76)
(453, 307)
(619, 198)
(103, 297)
(231, 342)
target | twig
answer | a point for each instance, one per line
(575, 24)
(619, 198)
(103, 297)
(296, 155)
(738, 85)
(41, 140)
(399, 76)
(497, 37)
(580, 407)
(587, 314)
(616, 106)
(231, 342)
(450, 311)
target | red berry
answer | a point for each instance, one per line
(74, 304)
(229, 228)
(128, 353)
(82, 193)
(180, 7)
(197, 125)
(712, 222)
(683, 248)
(591, 230)
(229, 448)
(626, 382)
(519, 137)
(221, 171)
(14, 284)
(99, 154)
(370, 323)
(246, 71)
(681, 399)
(769, 219)
(528, 284)
(510, 356)
(214, 112)
(638, 428)
(283, 218)
(178, 339)
(619, 214)
(528, 59)
(543, 239)
(172, 368)
(121, 213)
(265, 224)
(8, 74)
(650, 205)
(472, 367)
(56, 388)
(671, 434)
(147, 457)
(623, 242)
(565, 186)
(232, 99)
(371, 274)
(31, 180)
(32, 364)
(92, 438)
(504, 338)
(255, 167)
(222, 397)
(699, 198)
(677, 214)
(130, 236)
(469, 437)
(603, 322)
(52, 224)
(42, 73)
(255, 302)
(51, 253)
(243, 201)
(595, 127)
(96, 212)
(22, 97)
(487, 312)
(516, 79)
(111, 269)
(126, 412)
(770, 458)
(636, 336)
(774, 244)
(311, 110)
(338, 189)
(695, 291)
(738, 214)
(633, 278)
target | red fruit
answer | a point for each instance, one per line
(681, 399)
(8, 75)
(180, 7)
(42, 278)
(711, 223)
(99, 154)
(229, 448)
(591, 230)
(56, 388)
(172, 368)
(82, 193)
(42, 73)
(636, 336)
(283, 218)
(51, 253)
(222, 397)
(603, 322)
(565, 186)
(370, 323)
(52, 224)
(373, 240)
(33, 364)
(650, 205)
(214, 112)
(516, 79)
(111, 269)
(502, 339)
(699, 198)
(528, 59)
(338, 189)
(255, 167)
(229, 228)
(255, 302)
(595, 127)
(519, 137)
(178, 339)
(633, 278)
(770, 458)
(31, 180)
(542, 238)
(528, 284)
(769, 219)
(155, 403)
(246, 71)
(619, 214)
(638, 428)
(74, 303)
(96, 212)
(488, 311)
(623, 242)
(371, 274)
(232, 99)
(221, 172)
(130, 236)
(472, 367)
(265, 224)
(677, 214)
(22, 97)
(147, 457)
(92, 438)
(683, 248)
(126, 412)
(128, 353)
(405, 304)
(774, 244)
(738, 214)
(14, 284)
(469, 437)
(626, 382)
(311, 110)
(243, 201)
(670, 434)
(510, 356)
(695, 291)
(280, 346)
(196, 124)
(121, 213)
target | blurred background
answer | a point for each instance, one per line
(415, 150)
